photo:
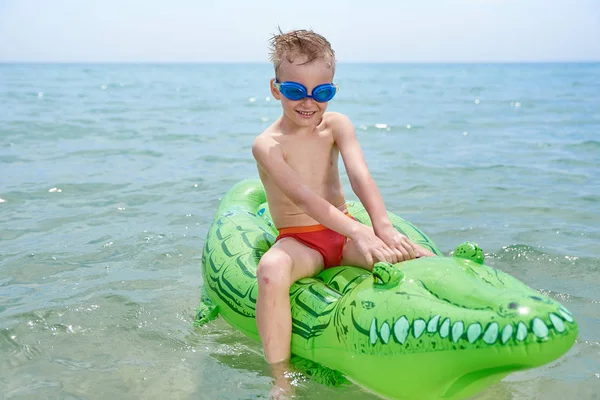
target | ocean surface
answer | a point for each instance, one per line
(110, 176)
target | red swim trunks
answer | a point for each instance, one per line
(327, 242)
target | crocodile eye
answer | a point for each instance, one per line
(536, 298)
(386, 276)
(512, 305)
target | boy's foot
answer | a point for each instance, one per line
(282, 388)
(278, 393)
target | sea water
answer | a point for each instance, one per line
(110, 176)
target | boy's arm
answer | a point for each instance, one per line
(366, 189)
(269, 156)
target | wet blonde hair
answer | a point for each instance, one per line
(289, 45)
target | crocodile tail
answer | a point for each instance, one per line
(206, 311)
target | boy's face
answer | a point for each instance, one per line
(305, 112)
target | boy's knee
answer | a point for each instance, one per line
(274, 270)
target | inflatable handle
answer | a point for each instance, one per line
(469, 251)
(386, 276)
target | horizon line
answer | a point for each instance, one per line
(208, 62)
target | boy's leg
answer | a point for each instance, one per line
(284, 263)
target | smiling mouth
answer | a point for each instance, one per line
(306, 113)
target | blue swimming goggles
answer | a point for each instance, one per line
(296, 91)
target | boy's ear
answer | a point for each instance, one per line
(274, 91)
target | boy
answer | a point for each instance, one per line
(297, 160)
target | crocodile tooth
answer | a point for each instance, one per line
(433, 323)
(521, 331)
(418, 327)
(445, 328)
(539, 328)
(565, 314)
(373, 331)
(401, 329)
(385, 332)
(565, 310)
(473, 332)
(557, 322)
(457, 331)
(491, 333)
(507, 332)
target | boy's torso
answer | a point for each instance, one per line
(314, 157)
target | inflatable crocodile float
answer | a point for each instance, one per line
(430, 328)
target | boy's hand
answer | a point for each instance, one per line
(402, 248)
(372, 247)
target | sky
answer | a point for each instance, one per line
(239, 31)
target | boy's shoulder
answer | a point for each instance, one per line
(335, 117)
(264, 142)
(267, 134)
(340, 124)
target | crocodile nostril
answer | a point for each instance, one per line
(512, 305)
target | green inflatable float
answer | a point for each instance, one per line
(430, 328)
